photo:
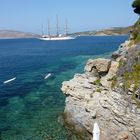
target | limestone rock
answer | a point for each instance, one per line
(99, 65)
(108, 108)
(115, 55)
(123, 136)
(87, 103)
(107, 79)
(85, 106)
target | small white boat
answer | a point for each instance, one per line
(10, 80)
(96, 132)
(47, 76)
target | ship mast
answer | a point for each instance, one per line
(42, 30)
(49, 28)
(57, 26)
(66, 28)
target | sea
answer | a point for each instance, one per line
(30, 106)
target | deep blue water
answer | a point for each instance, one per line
(30, 105)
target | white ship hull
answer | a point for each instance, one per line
(57, 38)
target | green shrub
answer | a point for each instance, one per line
(113, 81)
(97, 82)
(98, 90)
(137, 40)
(135, 34)
(136, 6)
(132, 77)
(127, 80)
(122, 63)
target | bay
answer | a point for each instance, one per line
(30, 105)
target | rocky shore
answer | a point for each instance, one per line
(100, 95)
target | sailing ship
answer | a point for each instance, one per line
(58, 36)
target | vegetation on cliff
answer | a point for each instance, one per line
(128, 74)
(127, 78)
(136, 27)
(136, 32)
(136, 6)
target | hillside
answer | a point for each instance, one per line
(111, 31)
(9, 34)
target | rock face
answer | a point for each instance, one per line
(97, 66)
(90, 98)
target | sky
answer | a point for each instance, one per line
(82, 15)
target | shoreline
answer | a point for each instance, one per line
(106, 35)
(77, 36)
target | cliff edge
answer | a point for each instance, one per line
(107, 93)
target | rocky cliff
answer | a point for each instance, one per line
(107, 93)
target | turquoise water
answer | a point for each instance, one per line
(30, 106)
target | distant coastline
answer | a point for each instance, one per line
(106, 32)
(11, 34)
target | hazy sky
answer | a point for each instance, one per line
(29, 15)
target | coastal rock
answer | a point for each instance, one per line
(123, 49)
(84, 107)
(107, 79)
(115, 55)
(123, 136)
(91, 99)
(76, 87)
(98, 66)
